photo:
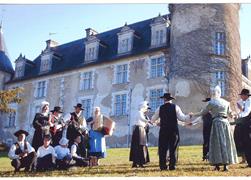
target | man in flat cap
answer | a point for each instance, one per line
(23, 155)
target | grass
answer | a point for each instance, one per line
(117, 164)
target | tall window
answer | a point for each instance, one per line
(19, 70)
(219, 46)
(220, 80)
(159, 37)
(121, 73)
(86, 81)
(12, 119)
(87, 106)
(155, 101)
(157, 67)
(45, 63)
(91, 53)
(120, 105)
(41, 88)
(124, 45)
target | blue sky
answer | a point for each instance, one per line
(27, 27)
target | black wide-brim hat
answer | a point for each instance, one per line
(17, 133)
(167, 96)
(206, 100)
(57, 109)
(79, 106)
(245, 92)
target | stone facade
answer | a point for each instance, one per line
(190, 67)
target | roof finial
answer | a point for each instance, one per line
(159, 14)
(125, 24)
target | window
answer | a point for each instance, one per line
(41, 89)
(91, 51)
(45, 63)
(220, 80)
(159, 37)
(124, 45)
(157, 67)
(12, 119)
(86, 81)
(87, 106)
(121, 73)
(219, 47)
(155, 101)
(120, 105)
(19, 71)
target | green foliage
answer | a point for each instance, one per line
(117, 164)
(7, 97)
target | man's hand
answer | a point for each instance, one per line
(23, 154)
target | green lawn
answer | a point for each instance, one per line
(117, 164)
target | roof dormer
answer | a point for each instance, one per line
(159, 31)
(21, 63)
(47, 56)
(91, 45)
(125, 39)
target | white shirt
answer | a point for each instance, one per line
(140, 119)
(246, 105)
(42, 151)
(13, 148)
(61, 151)
(74, 151)
(67, 118)
(180, 115)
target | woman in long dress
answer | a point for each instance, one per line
(139, 152)
(41, 125)
(222, 150)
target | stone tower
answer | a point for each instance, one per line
(205, 51)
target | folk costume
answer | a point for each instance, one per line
(139, 151)
(222, 150)
(41, 125)
(22, 154)
(169, 138)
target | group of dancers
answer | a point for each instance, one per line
(60, 142)
(219, 146)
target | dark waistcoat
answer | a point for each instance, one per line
(168, 118)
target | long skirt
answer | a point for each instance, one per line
(97, 145)
(139, 151)
(222, 148)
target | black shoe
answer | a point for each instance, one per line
(141, 166)
(134, 165)
(216, 168)
(225, 168)
(163, 168)
(171, 168)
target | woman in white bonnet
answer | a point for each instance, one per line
(139, 152)
(41, 125)
(222, 150)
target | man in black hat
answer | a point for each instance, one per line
(77, 125)
(207, 124)
(23, 155)
(169, 132)
(244, 106)
(56, 125)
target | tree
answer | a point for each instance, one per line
(7, 97)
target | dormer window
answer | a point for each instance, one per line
(125, 40)
(20, 66)
(47, 56)
(91, 45)
(158, 31)
(45, 62)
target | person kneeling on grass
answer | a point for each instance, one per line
(23, 155)
(76, 152)
(63, 154)
(46, 155)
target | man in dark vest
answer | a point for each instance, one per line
(169, 132)
(77, 125)
(207, 124)
(23, 155)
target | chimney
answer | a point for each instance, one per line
(50, 43)
(90, 31)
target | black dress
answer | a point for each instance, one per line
(207, 124)
(39, 121)
(139, 152)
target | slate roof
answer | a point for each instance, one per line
(72, 54)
